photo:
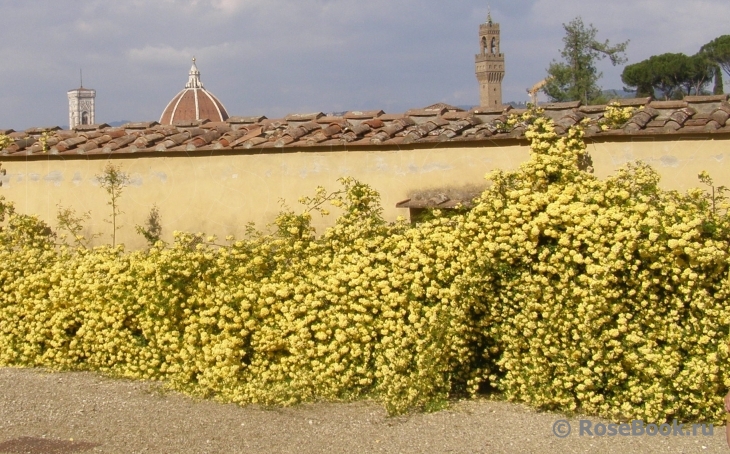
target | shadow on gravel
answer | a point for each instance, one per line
(34, 445)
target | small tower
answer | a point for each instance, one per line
(81, 106)
(489, 65)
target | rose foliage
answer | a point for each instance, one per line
(560, 290)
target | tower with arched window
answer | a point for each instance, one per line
(81, 106)
(489, 65)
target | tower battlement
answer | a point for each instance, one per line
(489, 64)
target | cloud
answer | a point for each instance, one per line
(275, 57)
(167, 55)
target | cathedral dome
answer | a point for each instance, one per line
(194, 102)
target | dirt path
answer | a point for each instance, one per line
(57, 413)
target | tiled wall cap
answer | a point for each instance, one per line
(491, 110)
(441, 105)
(631, 102)
(329, 119)
(90, 127)
(304, 116)
(390, 117)
(190, 123)
(426, 112)
(246, 120)
(362, 114)
(668, 104)
(561, 105)
(592, 109)
(708, 98)
(458, 115)
(140, 125)
(42, 130)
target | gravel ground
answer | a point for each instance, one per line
(70, 412)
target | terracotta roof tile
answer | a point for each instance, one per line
(711, 125)
(202, 140)
(656, 124)
(25, 142)
(571, 119)
(720, 115)
(643, 117)
(253, 142)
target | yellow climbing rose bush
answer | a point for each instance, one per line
(363, 311)
(604, 297)
(616, 116)
(5, 140)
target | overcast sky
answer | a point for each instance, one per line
(274, 57)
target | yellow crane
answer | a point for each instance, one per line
(535, 88)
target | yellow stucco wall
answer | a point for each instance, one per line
(219, 194)
(678, 159)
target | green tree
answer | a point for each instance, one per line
(73, 223)
(700, 73)
(152, 230)
(641, 78)
(719, 87)
(674, 75)
(576, 77)
(113, 180)
(718, 51)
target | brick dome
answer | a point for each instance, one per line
(194, 102)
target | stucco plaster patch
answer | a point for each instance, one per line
(136, 180)
(162, 176)
(669, 161)
(55, 177)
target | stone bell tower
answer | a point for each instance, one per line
(489, 65)
(81, 108)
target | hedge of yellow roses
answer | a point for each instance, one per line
(605, 297)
